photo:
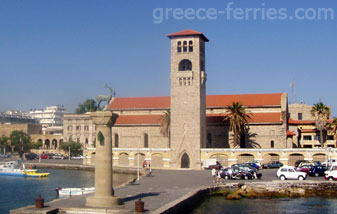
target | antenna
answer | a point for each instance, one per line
(292, 85)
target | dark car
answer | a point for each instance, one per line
(304, 168)
(254, 165)
(31, 156)
(317, 171)
(272, 164)
(297, 163)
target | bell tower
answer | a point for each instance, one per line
(188, 98)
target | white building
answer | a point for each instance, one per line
(51, 118)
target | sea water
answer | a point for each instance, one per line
(16, 192)
(218, 204)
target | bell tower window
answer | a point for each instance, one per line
(185, 65)
(179, 47)
(190, 46)
(185, 46)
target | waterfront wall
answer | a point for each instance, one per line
(160, 158)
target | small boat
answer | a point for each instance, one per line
(37, 174)
(17, 168)
(12, 169)
(74, 191)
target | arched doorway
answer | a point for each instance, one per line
(221, 158)
(141, 159)
(270, 157)
(293, 158)
(47, 144)
(54, 144)
(157, 161)
(319, 157)
(245, 158)
(185, 161)
(123, 159)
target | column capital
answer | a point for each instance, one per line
(103, 118)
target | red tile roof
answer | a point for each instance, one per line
(212, 101)
(139, 119)
(245, 99)
(255, 118)
(300, 122)
(290, 133)
(188, 32)
(154, 119)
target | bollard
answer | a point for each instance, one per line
(39, 202)
(139, 205)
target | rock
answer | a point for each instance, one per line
(297, 192)
(233, 196)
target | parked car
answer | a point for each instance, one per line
(317, 171)
(58, 156)
(289, 172)
(237, 173)
(79, 157)
(256, 162)
(254, 165)
(31, 156)
(272, 164)
(44, 156)
(304, 168)
(331, 175)
(329, 163)
(2, 155)
(297, 163)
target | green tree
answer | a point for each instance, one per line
(21, 142)
(4, 142)
(36, 145)
(238, 118)
(321, 113)
(75, 148)
(88, 105)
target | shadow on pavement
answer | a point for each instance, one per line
(141, 195)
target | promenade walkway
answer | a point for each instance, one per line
(157, 190)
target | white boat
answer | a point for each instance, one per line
(74, 191)
(17, 168)
(12, 169)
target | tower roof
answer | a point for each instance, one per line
(187, 32)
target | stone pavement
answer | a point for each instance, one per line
(157, 190)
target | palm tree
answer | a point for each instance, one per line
(165, 123)
(238, 118)
(321, 113)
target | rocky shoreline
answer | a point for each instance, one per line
(276, 189)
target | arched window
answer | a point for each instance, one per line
(116, 140)
(179, 47)
(146, 140)
(185, 65)
(190, 46)
(272, 144)
(185, 46)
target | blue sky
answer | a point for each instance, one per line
(62, 52)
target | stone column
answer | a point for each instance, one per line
(104, 193)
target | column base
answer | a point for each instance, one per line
(102, 201)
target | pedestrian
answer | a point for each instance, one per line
(214, 175)
(218, 177)
(144, 164)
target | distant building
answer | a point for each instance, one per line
(79, 128)
(17, 117)
(51, 118)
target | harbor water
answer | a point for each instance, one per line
(16, 192)
(218, 204)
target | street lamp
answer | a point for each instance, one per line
(69, 152)
(150, 160)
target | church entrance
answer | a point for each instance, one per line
(185, 161)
